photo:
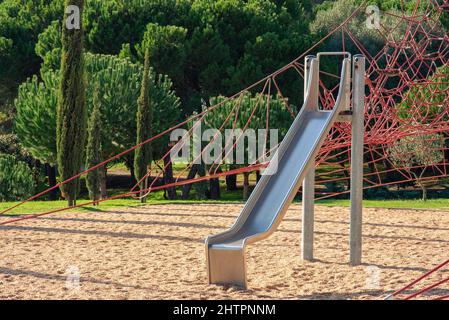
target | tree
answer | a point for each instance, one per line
(167, 46)
(278, 118)
(329, 16)
(111, 23)
(49, 47)
(35, 121)
(143, 156)
(20, 26)
(219, 47)
(118, 81)
(9, 144)
(426, 100)
(415, 154)
(71, 113)
(16, 178)
(214, 47)
(93, 151)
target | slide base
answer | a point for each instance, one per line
(227, 266)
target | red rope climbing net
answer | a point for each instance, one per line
(408, 296)
(407, 96)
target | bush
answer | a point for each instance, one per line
(9, 144)
(16, 179)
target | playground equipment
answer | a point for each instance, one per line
(295, 161)
(425, 289)
(407, 81)
(414, 53)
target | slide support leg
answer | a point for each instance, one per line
(308, 191)
(358, 107)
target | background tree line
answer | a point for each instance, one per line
(197, 50)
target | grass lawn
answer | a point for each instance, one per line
(440, 204)
(43, 206)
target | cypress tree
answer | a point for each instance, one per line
(143, 157)
(93, 150)
(71, 112)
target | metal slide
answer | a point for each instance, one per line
(272, 196)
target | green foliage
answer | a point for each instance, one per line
(207, 48)
(168, 48)
(331, 14)
(118, 84)
(142, 157)
(417, 150)
(415, 153)
(218, 47)
(278, 116)
(71, 112)
(111, 23)
(9, 144)
(49, 46)
(5, 122)
(426, 99)
(16, 179)
(21, 23)
(93, 150)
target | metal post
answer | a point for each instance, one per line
(358, 109)
(308, 189)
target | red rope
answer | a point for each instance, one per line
(424, 276)
(412, 60)
(426, 289)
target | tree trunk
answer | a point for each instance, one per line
(144, 185)
(103, 180)
(215, 189)
(245, 185)
(231, 182)
(201, 186)
(168, 178)
(133, 177)
(71, 202)
(424, 193)
(51, 173)
(186, 188)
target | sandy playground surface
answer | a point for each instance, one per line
(157, 252)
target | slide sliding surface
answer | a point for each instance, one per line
(274, 193)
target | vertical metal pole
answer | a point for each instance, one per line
(308, 189)
(358, 130)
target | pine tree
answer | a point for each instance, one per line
(71, 112)
(93, 150)
(143, 157)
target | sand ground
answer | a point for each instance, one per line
(157, 252)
